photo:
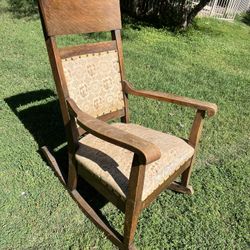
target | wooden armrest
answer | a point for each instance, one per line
(211, 108)
(146, 151)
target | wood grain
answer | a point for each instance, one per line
(87, 49)
(64, 17)
(133, 203)
(193, 141)
(116, 36)
(210, 108)
(147, 151)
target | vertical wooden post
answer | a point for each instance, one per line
(133, 203)
(62, 91)
(193, 141)
(116, 35)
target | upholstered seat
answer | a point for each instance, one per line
(112, 164)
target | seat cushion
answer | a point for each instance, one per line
(112, 164)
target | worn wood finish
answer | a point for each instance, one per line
(63, 17)
(112, 115)
(59, 78)
(179, 188)
(147, 151)
(116, 36)
(193, 141)
(106, 117)
(88, 48)
(62, 91)
(133, 203)
(53, 164)
(210, 108)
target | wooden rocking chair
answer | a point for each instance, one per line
(128, 164)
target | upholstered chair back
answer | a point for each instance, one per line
(94, 82)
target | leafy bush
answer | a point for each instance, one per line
(246, 18)
(23, 8)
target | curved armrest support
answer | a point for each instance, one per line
(211, 108)
(146, 151)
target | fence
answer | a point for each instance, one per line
(225, 9)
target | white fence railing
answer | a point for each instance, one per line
(224, 9)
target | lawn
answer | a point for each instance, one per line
(209, 62)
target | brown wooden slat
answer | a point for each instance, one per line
(210, 108)
(133, 204)
(63, 17)
(179, 188)
(193, 141)
(87, 49)
(53, 164)
(113, 115)
(106, 117)
(116, 36)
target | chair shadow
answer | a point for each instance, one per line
(39, 112)
(105, 163)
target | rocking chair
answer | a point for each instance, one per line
(130, 165)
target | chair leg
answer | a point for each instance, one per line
(131, 220)
(133, 203)
(183, 186)
(72, 176)
(193, 140)
(185, 177)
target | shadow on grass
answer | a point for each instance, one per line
(40, 114)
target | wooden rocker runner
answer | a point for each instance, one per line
(130, 165)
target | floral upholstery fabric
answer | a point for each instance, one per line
(112, 164)
(94, 82)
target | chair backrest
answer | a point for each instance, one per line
(63, 17)
(91, 74)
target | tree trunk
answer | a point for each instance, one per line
(175, 14)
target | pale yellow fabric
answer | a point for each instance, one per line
(94, 82)
(112, 164)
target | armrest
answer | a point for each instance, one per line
(146, 151)
(211, 108)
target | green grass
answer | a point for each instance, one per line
(209, 62)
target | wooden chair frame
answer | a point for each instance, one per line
(144, 152)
